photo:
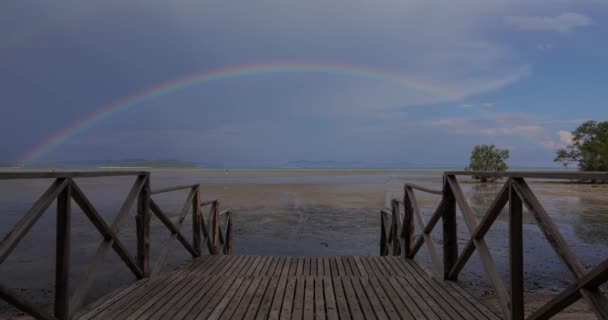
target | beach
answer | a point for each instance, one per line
(302, 212)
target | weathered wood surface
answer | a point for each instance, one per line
(255, 287)
(560, 175)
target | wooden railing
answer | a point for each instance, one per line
(516, 193)
(64, 189)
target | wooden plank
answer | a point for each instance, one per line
(279, 266)
(11, 297)
(360, 296)
(12, 238)
(275, 308)
(386, 302)
(320, 267)
(149, 306)
(351, 299)
(62, 253)
(210, 302)
(309, 298)
(360, 266)
(195, 303)
(598, 302)
(371, 295)
(431, 294)
(153, 300)
(341, 302)
(516, 255)
(174, 188)
(172, 303)
(459, 292)
(306, 269)
(561, 175)
(405, 299)
(189, 292)
(484, 226)
(298, 300)
(330, 299)
(232, 298)
(288, 298)
(484, 253)
(300, 267)
(131, 301)
(340, 267)
(248, 298)
(228, 295)
(254, 265)
(264, 309)
(326, 267)
(457, 306)
(353, 266)
(259, 266)
(257, 299)
(319, 298)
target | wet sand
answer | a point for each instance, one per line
(303, 212)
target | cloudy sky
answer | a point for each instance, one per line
(417, 82)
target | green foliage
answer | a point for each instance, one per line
(488, 158)
(589, 148)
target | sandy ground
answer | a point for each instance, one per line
(304, 213)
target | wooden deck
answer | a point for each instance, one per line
(255, 287)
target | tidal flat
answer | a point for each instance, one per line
(299, 212)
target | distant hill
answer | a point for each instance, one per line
(323, 164)
(143, 163)
(305, 164)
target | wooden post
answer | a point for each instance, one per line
(228, 235)
(143, 228)
(450, 232)
(214, 225)
(409, 237)
(516, 255)
(62, 253)
(196, 220)
(395, 227)
(383, 237)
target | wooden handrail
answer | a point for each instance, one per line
(176, 188)
(424, 189)
(64, 189)
(550, 175)
(517, 194)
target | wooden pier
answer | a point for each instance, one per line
(254, 287)
(218, 285)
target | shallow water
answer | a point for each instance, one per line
(296, 213)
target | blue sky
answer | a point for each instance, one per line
(519, 74)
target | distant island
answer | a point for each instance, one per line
(124, 163)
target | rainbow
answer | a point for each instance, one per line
(195, 79)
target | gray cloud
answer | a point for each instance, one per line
(563, 22)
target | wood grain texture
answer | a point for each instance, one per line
(254, 287)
